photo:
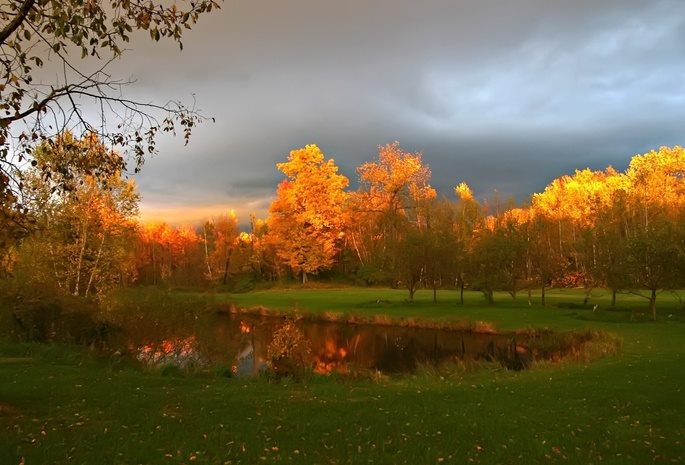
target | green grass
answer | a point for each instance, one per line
(61, 405)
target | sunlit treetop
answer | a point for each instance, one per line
(313, 187)
(463, 192)
(658, 177)
(308, 216)
(580, 197)
(397, 181)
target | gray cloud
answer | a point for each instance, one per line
(504, 95)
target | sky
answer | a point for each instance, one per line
(505, 95)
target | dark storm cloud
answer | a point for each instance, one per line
(504, 95)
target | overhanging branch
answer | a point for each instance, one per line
(12, 26)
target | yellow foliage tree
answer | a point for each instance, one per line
(397, 181)
(656, 182)
(307, 216)
(85, 221)
(391, 191)
(581, 198)
(653, 222)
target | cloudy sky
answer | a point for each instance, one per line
(502, 94)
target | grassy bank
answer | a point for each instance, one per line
(59, 405)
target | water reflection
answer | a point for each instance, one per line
(181, 352)
(240, 341)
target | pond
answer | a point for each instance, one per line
(239, 341)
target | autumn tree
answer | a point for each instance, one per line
(170, 255)
(409, 249)
(12, 226)
(83, 236)
(546, 262)
(261, 250)
(612, 232)
(653, 222)
(307, 220)
(220, 238)
(57, 59)
(469, 218)
(442, 248)
(386, 205)
(397, 182)
(497, 256)
(577, 204)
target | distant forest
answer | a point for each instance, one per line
(619, 230)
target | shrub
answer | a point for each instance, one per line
(288, 351)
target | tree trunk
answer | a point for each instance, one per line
(356, 249)
(80, 261)
(60, 283)
(95, 266)
(542, 295)
(412, 290)
(154, 265)
(435, 292)
(530, 297)
(461, 291)
(613, 297)
(489, 297)
(226, 265)
(304, 277)
(209, 268)
(652, 304)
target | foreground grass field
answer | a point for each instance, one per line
(59, 405)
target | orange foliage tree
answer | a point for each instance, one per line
(390, 232)
(85, 223)
(388, 201)
(397, 182)
(220, 239)
(306, 222)
(169, 255)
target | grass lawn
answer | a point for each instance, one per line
(60, 405)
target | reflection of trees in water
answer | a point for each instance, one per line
(241, 341)
(330, 347)
(180, 352)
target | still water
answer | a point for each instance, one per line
(240, 341)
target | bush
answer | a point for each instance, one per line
(289, 351)
(370, 275)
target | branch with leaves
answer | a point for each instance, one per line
(71, 35)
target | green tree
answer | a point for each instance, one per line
(498, 260)
(545, 259)
(655, 260)
(441, 244)
(409, 249)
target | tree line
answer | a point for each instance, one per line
(619, 230)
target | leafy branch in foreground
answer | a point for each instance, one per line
(75, 42)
